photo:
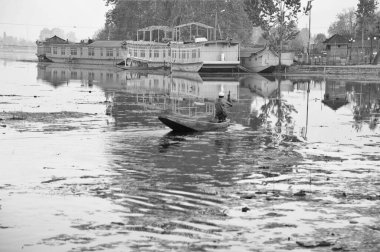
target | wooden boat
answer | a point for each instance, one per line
(181, 123)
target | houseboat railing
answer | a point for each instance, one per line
(161, 52)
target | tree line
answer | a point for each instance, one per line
(235, 19)
(278, 19)
(127, 16)
(362, 21)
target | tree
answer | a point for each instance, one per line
(300, 42)
(345, 23)
(278, 18)
(365, 14)
(101, 34)
(44, 34)
(71, 36)
(318, 42)
(126, 17)
(47, 33)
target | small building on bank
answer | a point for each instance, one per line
(341, 50)
(263, 59)
(337, 48)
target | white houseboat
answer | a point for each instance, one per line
(58, 50)
(182, 53)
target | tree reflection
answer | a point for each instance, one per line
(276, 115)
(366, 107)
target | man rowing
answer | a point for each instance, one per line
(221, 107)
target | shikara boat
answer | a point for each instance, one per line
(181, 123)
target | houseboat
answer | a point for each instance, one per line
(168, 47)
(58, 50)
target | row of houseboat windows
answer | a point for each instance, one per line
(74, 51)
(184, 54)
(90, 75)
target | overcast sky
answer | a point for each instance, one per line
(26, 18)
(324, 13)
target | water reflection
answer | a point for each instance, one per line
(365, 99)
(161, 191)
(259, 101)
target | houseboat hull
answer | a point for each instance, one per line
(69, 60)
(183, 67)
(188, 67)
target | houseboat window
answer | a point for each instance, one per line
(187, 54)
(183, 55)
(81, 51)
(142, 53)
(164, 53)
(130, 52)
(48, 49)
(109, 76)
(55, 73)
(194, 53)
(117, 53)
(169, 52)
(135, 52)
(109, 52)
(156, 83)
(54, 50)
(101, 52)
(63, 50)
(73, 51)
(63, 74)
(199, 52)
(150, 53)
(91, 51)
(174, 54)
(156, 54)
(91, 75)
(73, 75)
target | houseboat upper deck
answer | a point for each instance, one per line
(181, 53)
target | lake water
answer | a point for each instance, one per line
(87, 166)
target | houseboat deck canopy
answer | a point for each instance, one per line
(152, 30)
(155, 28)
(178, 35)
(196, 24)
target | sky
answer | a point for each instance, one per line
(26, 18)
(323, 13)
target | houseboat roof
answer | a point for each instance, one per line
(106, 43)
(249, 51)
(336, 39)
(55, 40)
(194, 23)
(220, 42)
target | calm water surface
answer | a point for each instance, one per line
(86, 165)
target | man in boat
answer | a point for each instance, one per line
(221, 107)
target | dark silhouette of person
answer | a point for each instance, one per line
(221, 107)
